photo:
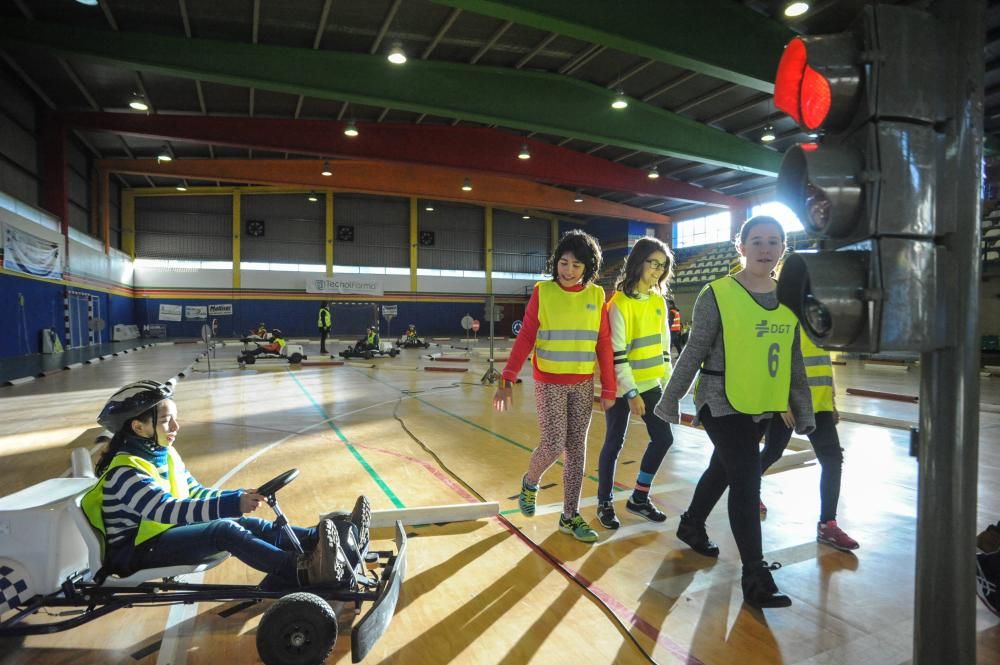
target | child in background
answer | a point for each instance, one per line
(640, 336)
(566, 325)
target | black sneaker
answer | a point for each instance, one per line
(694, 535)
(759, 589)
(361, 517)
(646, 510)
(606, 515)
(988, 580)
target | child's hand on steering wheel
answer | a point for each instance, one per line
(250, 501)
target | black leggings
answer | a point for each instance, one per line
(830, 455)
(735, 464)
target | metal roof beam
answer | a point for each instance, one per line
(719, 38)
(528, 101)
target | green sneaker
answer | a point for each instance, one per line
(578, 528)
(526, 500)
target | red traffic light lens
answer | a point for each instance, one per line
(799, 90)
(788, 82)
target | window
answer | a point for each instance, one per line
(702, 230)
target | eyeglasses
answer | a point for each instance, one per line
(656, 265)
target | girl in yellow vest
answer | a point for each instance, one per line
(566, 325)
(640, 336)
(746, 346)
(151, 511)
(824, 440)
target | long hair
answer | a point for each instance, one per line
(584, 247)
(631, 272)
(117, 442)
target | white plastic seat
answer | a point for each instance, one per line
(93, 543)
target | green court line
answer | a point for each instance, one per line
(354, 451)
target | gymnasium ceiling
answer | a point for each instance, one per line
(270, 80)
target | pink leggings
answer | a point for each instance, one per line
(564, 414)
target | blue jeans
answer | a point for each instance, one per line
(617, 417)
(256, 542)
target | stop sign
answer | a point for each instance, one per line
(475, 325)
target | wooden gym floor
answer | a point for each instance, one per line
(511, 590)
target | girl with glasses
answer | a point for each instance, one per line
(640, 338)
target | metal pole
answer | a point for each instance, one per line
(944, 614)
(491, 374)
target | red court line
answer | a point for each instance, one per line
(446, 369)
(879, 395)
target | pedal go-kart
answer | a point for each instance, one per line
(406, 342)
(290, 353)
(50, 556)
(361, 350)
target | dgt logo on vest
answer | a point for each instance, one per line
(591, 306)
(763, 328)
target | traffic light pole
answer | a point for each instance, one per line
(944, 614)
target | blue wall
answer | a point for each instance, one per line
(43, 308)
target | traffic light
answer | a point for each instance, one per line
(871, 187)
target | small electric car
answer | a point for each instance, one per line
(361, 350)
(290, 353)
(51, 567)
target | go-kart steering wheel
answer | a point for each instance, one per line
(276, 483)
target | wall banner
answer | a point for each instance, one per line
(195, 312)
(220, 310)
(170, 312)
(366, 284)
(24, 252)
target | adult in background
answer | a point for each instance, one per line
(323, 323)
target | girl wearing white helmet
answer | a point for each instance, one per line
(152, 512)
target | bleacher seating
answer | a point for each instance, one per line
(991, 241)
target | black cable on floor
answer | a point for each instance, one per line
(548, 556)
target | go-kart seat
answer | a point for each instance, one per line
(93, 543)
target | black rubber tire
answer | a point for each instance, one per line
(295, 358)
(298, 629)
(250, 360)
(394, 353)
(369, 355)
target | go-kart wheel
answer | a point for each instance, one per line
(249, 360)
(368, 355)
(276, 483)
(299, 629)
(394, 353)
(427, 345)
(295, 358)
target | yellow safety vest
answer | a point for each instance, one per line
(819, 372)
(646, 350)
(569, 322)
(280, 341)
(175, 484)
(758, 347)
(324, 318)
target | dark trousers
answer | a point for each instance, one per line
(323, 332)
(830, 455)
(256, 542)
(735, 464)
(617, 419)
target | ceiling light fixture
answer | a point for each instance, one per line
(525, 216)
(312, 197)
(89, 3)
(164, 155)
(524, 154)
(768, 134)
(138, 102)
(619, 102)
(326, 169)
(351, 129)
(396, 55)
(429, 208)
(181, 188)
(794, 9)
(578, 198)
(466, 185)
(653, 173)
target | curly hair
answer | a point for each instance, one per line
(586, 250)
(631, 272)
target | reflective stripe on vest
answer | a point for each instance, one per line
(758, 348)
(645, 323)
(324, 318)
(175, 483)
(819, 372)
(569, 322)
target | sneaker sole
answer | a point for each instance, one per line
(361, 517)
(835, 546)
(648, 518)
(610, 527)
(569, 532)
